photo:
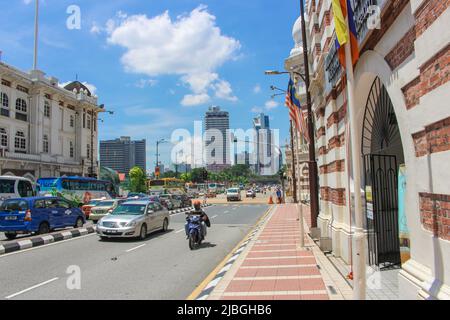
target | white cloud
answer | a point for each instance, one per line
(271, 104)
(191, 46)
(257, 89)
(142, 83)
(257, 110)
(224, 91)
(190, 100)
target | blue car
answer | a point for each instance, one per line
(38, 215)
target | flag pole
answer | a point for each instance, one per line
(36, 33)
(359, 255)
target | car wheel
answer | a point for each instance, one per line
(165, 225)
(43, 228)
(143, 233)
(79, 223)
(10, 236)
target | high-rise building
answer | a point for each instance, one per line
(216, 126)
(263, 142)
(123, 154)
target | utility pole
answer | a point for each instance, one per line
(294, 180)
(314, 188)
(36, 34)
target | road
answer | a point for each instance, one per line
(160, 268)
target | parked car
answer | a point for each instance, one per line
(234, 194)
(104, 208)
(134, 219)
(171, 201)
(185, 200)
(88, 207)
(38, 215)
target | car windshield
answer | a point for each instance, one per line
(14, 205)
(129, 209)
(105, 204)
(233, 190)
(93, 202)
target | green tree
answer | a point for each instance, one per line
(186, 177)
(137, 180)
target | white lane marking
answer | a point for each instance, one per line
(181, 230)
(226, 211)
(135, 248)
(31, 288)
(214, 216)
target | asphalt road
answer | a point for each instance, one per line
(160, 268)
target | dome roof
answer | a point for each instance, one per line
(297, 31)
(77, 86)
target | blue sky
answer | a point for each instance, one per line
(160, 64)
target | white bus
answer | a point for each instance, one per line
(16, 187)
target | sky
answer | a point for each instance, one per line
(158, 64)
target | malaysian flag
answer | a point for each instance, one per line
(296, 113)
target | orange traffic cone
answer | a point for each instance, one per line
(270, 200)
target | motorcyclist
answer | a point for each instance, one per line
(205, 222)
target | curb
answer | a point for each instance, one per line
(172, 212)
(235, 253)
(44, 239)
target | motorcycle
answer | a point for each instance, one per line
(194, 231)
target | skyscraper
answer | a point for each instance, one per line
(216, 125)
(263, 143)
(123, 154)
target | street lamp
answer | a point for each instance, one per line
(157, 149)
(94, 123)
(313, 174)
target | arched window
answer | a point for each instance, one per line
(46, 109)
(21, 110)
(45, 143)
(20, 142)
(3, 137)
(4, 104)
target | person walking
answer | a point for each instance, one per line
(279, 199)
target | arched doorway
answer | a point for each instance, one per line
(382, 151)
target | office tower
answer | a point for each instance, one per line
(216, 126)
(123, 154)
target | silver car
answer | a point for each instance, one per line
(103, 208)
(134, 219)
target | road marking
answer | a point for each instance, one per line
(31, 288)
(226, 211)
(214, 216)
(181, 230)
(135, 248)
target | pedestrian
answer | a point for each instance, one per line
(279, 200)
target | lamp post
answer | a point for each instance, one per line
(157, 150)
(94, 122)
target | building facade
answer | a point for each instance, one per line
(401, 91)
(217, 140)
(123, 154)
(46, 130)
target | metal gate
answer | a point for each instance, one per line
(382, 209)
(380, 137)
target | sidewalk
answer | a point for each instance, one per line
(274, 267)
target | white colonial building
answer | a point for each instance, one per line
(402, 91)
(46, 130)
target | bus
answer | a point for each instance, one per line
(166, 185)
(77, 190)
(16, 187)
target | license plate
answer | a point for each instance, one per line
(111, 231)
(11, 218)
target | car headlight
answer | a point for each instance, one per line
(100, 223)
(131, 224)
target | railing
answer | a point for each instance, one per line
(362, 12)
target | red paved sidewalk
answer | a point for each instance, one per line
(275, 267)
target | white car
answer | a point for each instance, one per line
(234, 194)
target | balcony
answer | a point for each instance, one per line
(332, 64)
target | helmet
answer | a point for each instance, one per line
(197, 205)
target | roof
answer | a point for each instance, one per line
(78, 86)
(137, 202)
